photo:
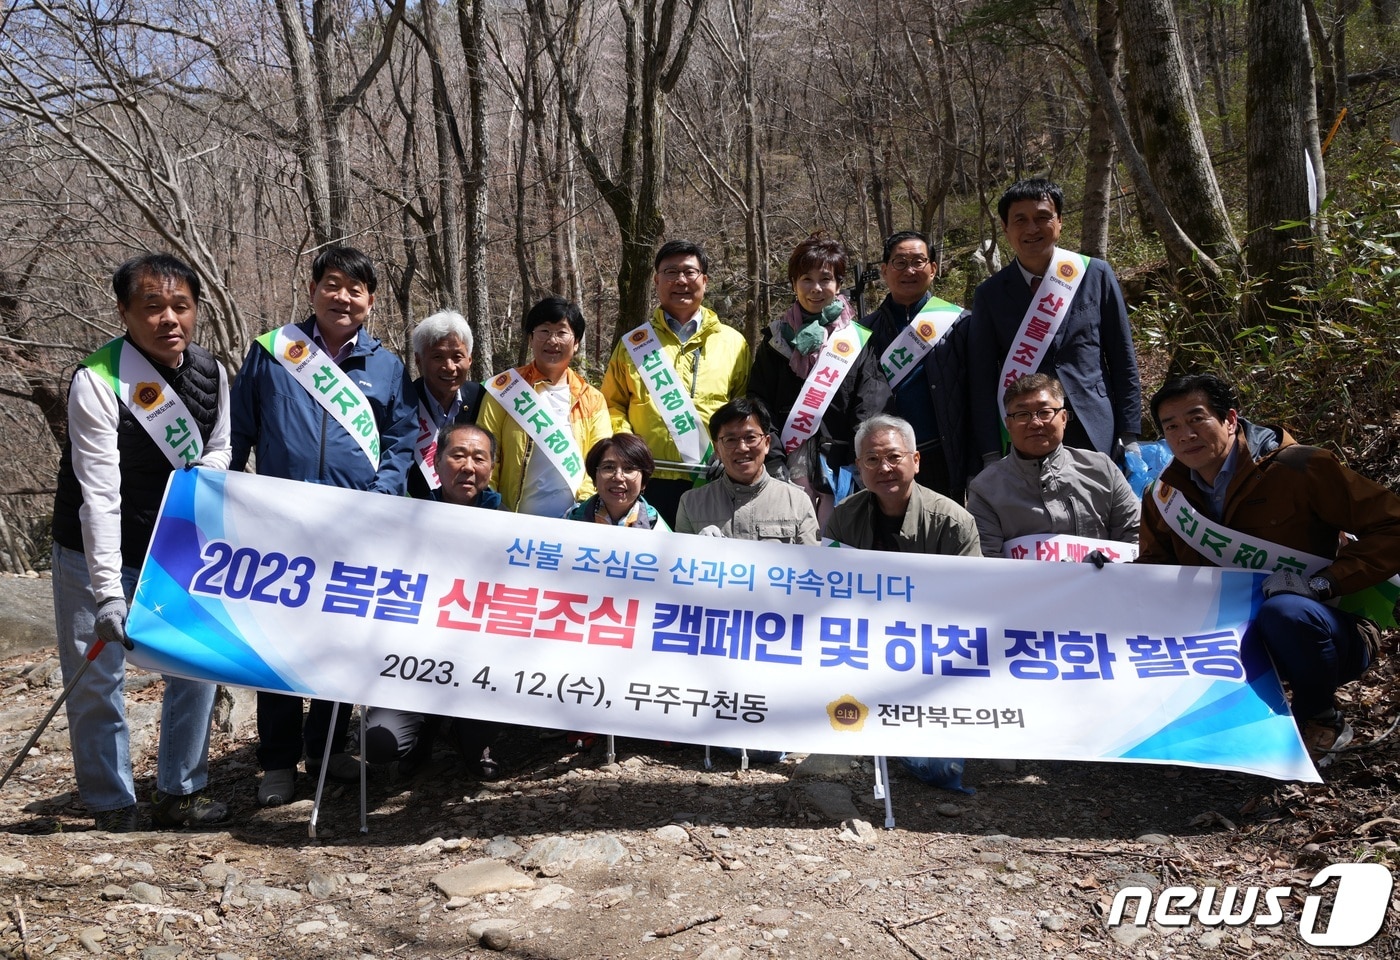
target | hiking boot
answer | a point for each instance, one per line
(1325, 736)
(121, 820)
(277, 787)
(342, 768)
(191, 810)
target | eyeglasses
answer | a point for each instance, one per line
(909, 263)
(892, 460)
(563, 336)
(1043, 415)
(672, 274)
(618, 470)
(747, 440)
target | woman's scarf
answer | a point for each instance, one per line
(804, 333)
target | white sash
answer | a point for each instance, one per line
(917, 338)
(518, 399)
(678, 410)
(144, 392)
(425, 447)
(1049, 307)
(1225, 547)
(328, 385)
(834, 364)
(1066, 547)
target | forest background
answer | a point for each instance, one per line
(489, 152)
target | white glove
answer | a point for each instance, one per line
(1287, 581)
(110, 625)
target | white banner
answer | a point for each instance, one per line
(262, 582)
(1049, 307)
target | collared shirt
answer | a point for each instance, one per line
(344, 350)
(683, 331)
(1029, 277)
(440, 416)
(1216, 491)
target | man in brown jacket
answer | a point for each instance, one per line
(1249, 497)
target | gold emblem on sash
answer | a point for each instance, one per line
(501, 380)
(1067, 270)
(847, 713)
(842, 347)
(638, 336)
(295, 351)
(148, 395)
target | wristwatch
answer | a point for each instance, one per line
(1321, 586)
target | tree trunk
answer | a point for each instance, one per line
(471, 27)
(1099, 159)
(1217, 49)
(449, 280)
(1173, 142)
(1279, 80)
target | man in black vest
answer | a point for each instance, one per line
(110, 483)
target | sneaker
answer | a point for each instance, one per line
(1325, 736)
(121, 820)
(277, 787)
(342, 768)
(191, 810)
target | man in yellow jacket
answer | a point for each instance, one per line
(667, 377)
(545, 416)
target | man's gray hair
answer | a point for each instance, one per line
(441, 325)
(884, 421)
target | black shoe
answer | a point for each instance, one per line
(121, 820)
(191, 810)
(484, 768)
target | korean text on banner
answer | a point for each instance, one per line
(261, 582)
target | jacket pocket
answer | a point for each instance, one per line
(782, 530)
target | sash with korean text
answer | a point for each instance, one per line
(677, 408)
(833, 365)
(1066, 547)
(917, 338)
(327, 384)
(1225, 547)
(1049, 307)
(144, 392)
(425, 447)
(523, 405)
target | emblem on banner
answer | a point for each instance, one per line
(1164, 492)
(295, 351)
(501, 380)
(925, 330)
(1067, 271)
(842, 347)
(148, 395)
(847, 713)
(638, 336)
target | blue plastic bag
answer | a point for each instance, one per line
(945, 772)
(1142, 468)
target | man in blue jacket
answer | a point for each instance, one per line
(1055, 312)
(321, 401)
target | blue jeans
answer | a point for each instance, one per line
(1316, 648)
(96, 708)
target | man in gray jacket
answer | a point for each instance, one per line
(745, 503)
(1043, 486)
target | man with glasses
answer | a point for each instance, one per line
(667, 377)
(1043, 486)
(746, 503)
(893, 512)
(922, 349)
(1056, 312)
(1249, 497)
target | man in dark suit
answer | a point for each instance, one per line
(1054, 312)
(928, 383)
(442, 348)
